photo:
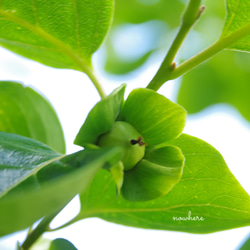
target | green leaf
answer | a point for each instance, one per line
(101, 118)
(19, 158)
(43, 187)
(246, 245)
(159, 171)
(25, 112)
(223, 79)
(238, 16)
(60, 34)
(207, 192)
(117, 65)
(131, 11)
(155, 117)
(61, 244)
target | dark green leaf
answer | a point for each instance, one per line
(238, 16)
(61, 34)
(23, 111)
(246, 245)
(101, 118)
(20, 157)
(155, 117)
(61, 244)
(207, 192)
(223, 79)
(43, 187)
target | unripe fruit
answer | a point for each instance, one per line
(128, 138)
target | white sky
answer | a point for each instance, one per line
(72, 96)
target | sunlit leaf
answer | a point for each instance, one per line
(207, 199)
(61, 34)
(23, 111)
(238, 16)
(223, 79)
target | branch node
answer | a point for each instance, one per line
(201, 11)
(172, 66)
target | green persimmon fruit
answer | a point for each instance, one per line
(128, 138)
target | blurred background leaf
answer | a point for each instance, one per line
(238, 15)
(142, 28)
(223, 79)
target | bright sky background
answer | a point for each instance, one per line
(72, 95)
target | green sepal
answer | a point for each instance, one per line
(101, 118)
(117, 172)
(159, 171)
(155, 117)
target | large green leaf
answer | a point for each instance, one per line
(23, 111)
(32, 186)
(238, 16)
(208, 193)
(223, 79)
(61, 34)
(101, 118)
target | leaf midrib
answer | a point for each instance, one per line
(79, 61)
(159, 209)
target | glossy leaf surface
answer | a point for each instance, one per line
(101, 118)
(45, 186)
(61, 34)
(207, 192)
(223, 79)
(25, 112)
(19, 158)
(153, 115)
(238, 16)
